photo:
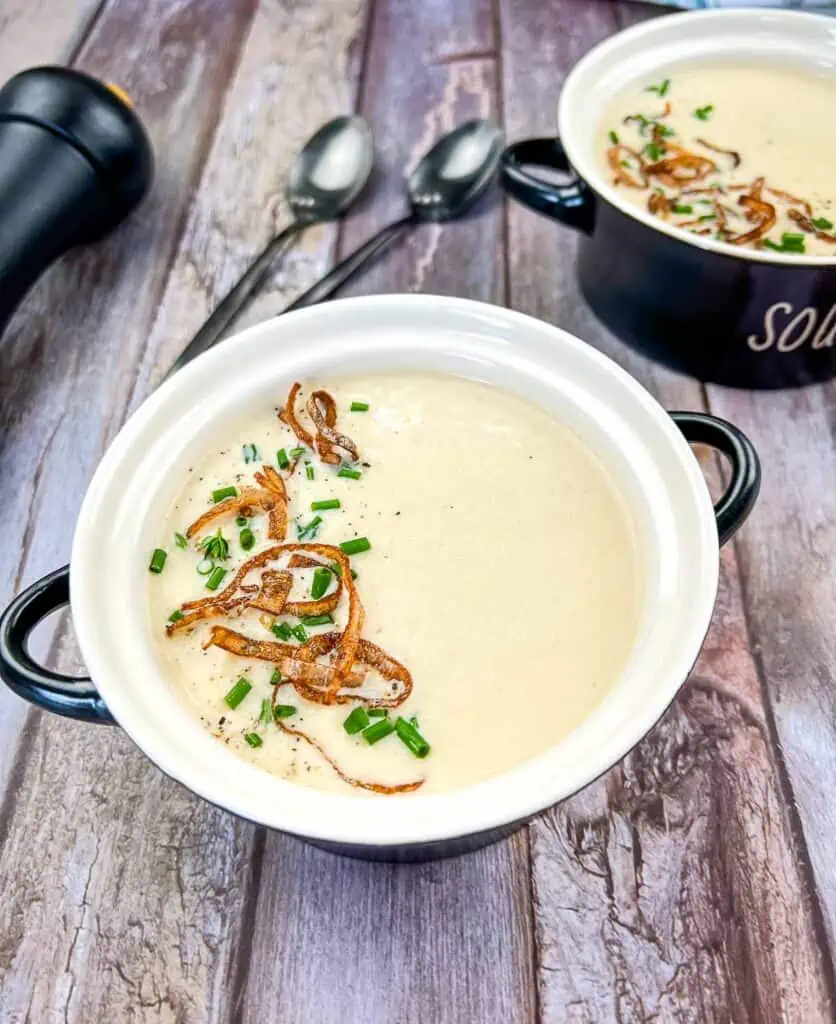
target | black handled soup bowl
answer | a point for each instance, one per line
(642, 450)
(726, 313)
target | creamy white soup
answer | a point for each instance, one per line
(742, 154)
(496, 568)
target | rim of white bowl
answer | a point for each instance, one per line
(114, 524)
(660, 45)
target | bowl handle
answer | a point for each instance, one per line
(572, 203)
(735, 505)
(75, 697)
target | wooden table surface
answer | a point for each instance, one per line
(695, 883)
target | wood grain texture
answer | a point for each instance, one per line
(67, 360)
(673, 889)
(31, 33)
(336, 941)
(122, 909)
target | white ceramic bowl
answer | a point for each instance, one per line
(138, 478)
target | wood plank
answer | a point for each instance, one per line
(67, 358)
(788, 564)
(36, 32)
(122, 890)
(341, 941)
(674, 888)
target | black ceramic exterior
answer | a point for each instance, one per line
(78, 698)
(725, 319)
(74, 161)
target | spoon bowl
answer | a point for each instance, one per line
(331, 171)
(450, 179)
(456, 172)
(327, 176)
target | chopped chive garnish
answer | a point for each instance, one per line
(336, 569)
(823, 224)
(205, 566)
(665, 131)
(224, 492)
(356, 546)
(309, 530)
(704, 113)
(253, 739)
(296, 452)
(791, 238)
(654, 150)
(180, 541)
(414, 721)
(680, 208)
(317, 620)
(661, 89)
(356, 721)
(266, 716)
(216, 547)
(378, 712)
(359, 406)
(283, 711)
(250, 453)
(238, 692)
(321, 582)
(326, 505)
(241, 520)
(707, 216)
(175, 616)
(281, 630)
(157, 563)
(411, 738)
(282, 459)
(379, 731)
(247, 538)
(215, 578)
(276, 677)
(309, 471)
(348, 473)
(614, 138)
(625, 163)
(299, 633)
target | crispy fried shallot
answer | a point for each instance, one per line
(790, 198)
(288, 416)
(374, 787)
(807, 224)
(632, 177)
(285, 656)
(270, 497)
(681, 167)
(732, 154)
(759, 211)
(323, 411)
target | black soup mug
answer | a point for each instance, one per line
(739, 317)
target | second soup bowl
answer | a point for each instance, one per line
(751, 318)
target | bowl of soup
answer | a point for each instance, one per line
(698, 176)
(392, 574)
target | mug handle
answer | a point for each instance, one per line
(74, 697)
(572, 204)
(735, 505)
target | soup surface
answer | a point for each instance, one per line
(738, 154)
(502, 577)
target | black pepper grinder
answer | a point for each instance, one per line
(75, 160)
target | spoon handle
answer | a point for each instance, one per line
(234, 301)
(338, 275)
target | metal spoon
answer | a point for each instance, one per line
(326, 178)
(453, 176)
